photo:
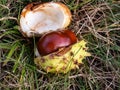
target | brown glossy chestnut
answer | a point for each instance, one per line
(52, 41)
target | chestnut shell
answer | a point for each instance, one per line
(39, 18)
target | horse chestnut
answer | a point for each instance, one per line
(55, 40)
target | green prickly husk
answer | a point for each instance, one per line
(65, 62)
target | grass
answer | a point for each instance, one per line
(96, 21)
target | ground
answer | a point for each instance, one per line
(96, 21)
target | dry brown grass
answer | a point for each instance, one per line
(97, 22)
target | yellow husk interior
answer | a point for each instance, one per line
(63, 63)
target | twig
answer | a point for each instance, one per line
(78, 75)
(6, 18)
